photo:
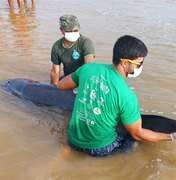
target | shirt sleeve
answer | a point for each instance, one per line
(77, 74)
(130, 112)
(88, 48)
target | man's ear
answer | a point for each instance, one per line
(124, 63)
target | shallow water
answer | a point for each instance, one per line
(33, 140)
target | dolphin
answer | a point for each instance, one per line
(49, 95)
(41, 93)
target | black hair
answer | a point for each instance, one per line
(128, 47)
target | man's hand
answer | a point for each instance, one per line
(89, 59)
(173, 136)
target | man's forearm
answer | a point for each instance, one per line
(66, 83)
(55, 78)
(152, 136)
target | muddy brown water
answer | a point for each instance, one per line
(33, 138)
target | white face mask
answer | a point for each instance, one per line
(72, 36)
(137, 72)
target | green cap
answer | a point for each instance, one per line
(69, 22)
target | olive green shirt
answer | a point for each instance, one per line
(73, 57)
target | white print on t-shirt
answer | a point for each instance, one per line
(97, 111)
(102, 77)
(102, 81)
(89, 106)
(101, 99)
(86, 88)
(100, 102)
(85, 116)
(104, 88)
(93, 95)
(95, 79)
(82, 100)
(95, 102)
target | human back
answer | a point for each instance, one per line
(103, 89)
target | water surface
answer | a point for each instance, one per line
(33, 140)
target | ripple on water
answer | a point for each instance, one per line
(174, 112)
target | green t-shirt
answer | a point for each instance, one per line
(73, 57)
(103, 99)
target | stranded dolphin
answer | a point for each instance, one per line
(49, 95)
(41, 93)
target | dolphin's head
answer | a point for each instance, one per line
(41, 93)
(16, 85)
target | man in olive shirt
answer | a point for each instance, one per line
(72, 50)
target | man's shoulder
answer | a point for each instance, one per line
(84, 39)
(58, 42)
(94, 65)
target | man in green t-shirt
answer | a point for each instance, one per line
(72, 50)
(104, 99)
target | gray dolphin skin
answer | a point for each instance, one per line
(48, 95)
(41, 93)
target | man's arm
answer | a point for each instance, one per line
(139, 133)
(55, 74)
(89, 59)
(66, 83)
(88, 51)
